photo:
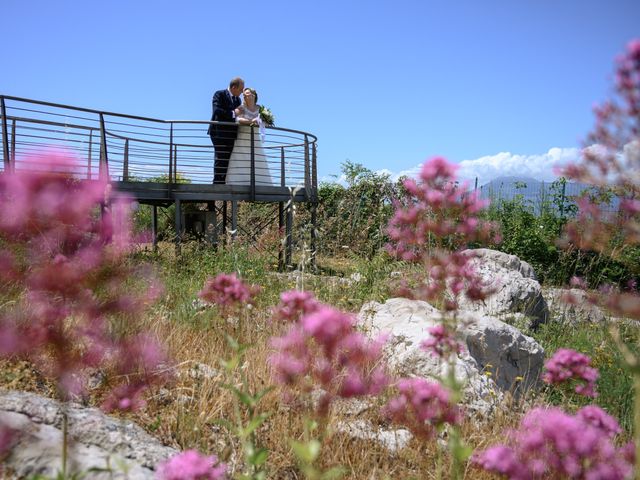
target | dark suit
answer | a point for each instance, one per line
(223, 137)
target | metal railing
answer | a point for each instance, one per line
(131, 148)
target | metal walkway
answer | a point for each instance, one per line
(159, 162)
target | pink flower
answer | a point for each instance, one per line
(422, 406)
(70, 267)
(191, 465)
(599, 419)
(553, 444)
(568, 364)
(293, 304)
(442, 342)
(438, 218)
(324, 350)
(227, 290)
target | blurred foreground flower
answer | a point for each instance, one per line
(553, 444)
(64, 245)
(192, 465)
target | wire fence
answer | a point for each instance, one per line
(540, 196)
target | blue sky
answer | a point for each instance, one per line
(499, 86)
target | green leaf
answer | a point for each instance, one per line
(232, 342)
(262, 393)
(306, 452)
(255, 423)
(259, 457)
(333, 473)
(231, 364)
(242, 396)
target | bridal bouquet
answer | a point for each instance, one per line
(266, 116)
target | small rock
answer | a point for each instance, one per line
(392, 440)
(202, 371)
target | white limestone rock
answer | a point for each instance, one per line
(393, 440)
(516, 287)
(581, 311)
(497, 358)
(96, 440)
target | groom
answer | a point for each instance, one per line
(223, 137)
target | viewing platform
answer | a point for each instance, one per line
(163, 162)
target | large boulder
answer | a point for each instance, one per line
(498, 356)
(96, 440)
(578, 311)
(517, 291)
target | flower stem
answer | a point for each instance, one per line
(65, 443)
(636, 417)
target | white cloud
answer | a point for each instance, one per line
(506, 164)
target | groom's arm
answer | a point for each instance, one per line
(220, 108)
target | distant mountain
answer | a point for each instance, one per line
(535, 192)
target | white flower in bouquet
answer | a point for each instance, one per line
(266, 116)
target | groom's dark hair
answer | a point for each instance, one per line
(236, 82)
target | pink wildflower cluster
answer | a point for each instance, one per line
(293, 304)
(611, 161)
(323, 349)
(440, 217)
(191, 465)
(442, 341)
(567, 364)
(66, 262)
(438, 207)
(553, 444)
(423, 406)
(138, 357)
(227, 291)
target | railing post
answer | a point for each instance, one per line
(306, 168)
(314, 221)
(104, 157)
(154, 227)
(171, 154)
(175, 164)
(234, 219)
(281, 224)
(13, 143)
(288, 249)
(89, 154)
(281, 263)
(5, 136)
(178, 222)
(314, 171)
(125, 163)
(253, 166)
(224, 220)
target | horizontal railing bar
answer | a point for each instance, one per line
(80, 109)
(136, 117)
(50, 113)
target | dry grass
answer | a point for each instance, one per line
(184, 414)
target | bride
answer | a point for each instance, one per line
(239, 171)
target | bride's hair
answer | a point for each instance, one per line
(255, 94)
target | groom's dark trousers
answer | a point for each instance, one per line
(223, 137)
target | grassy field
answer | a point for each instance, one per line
(192, 410)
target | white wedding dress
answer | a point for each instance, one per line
(239, 170)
